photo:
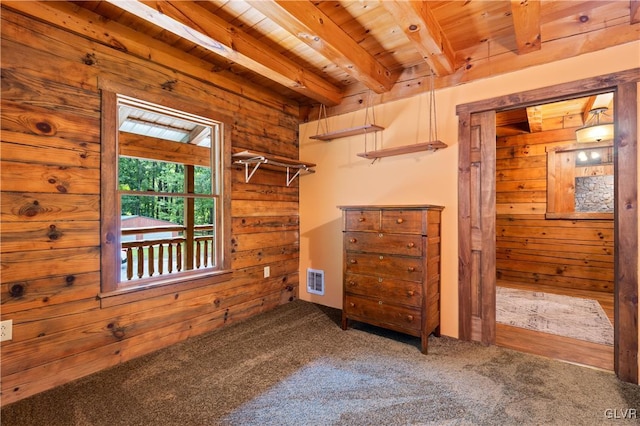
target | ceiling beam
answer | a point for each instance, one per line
(526, 24)
(196, 24)
(634, 7)
(534, 118)
(587, 108)
(418, 22)
(314, 28)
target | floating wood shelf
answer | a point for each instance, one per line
(360, 130)
(407, 149)
(273, 162)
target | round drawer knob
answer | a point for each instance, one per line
(352, 240)
(381, 257)
(353, 261)
(379, 279)
(379, 302)
(352, 283)
(411, 269)
(411, 245)
(361, 219)
(352, 304)
(399, 220)
(409, 318)
(410, 293)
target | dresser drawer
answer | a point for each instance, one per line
(362, 220)
(407, 293)
(383, 265)
(379, 242)
(379, 312)
(403, 221)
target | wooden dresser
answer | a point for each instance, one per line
(391, 268)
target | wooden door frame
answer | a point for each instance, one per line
(624, 84)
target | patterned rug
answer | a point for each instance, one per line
(567, 316)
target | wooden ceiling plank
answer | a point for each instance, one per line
(304, 20)
(526, 24)
(418, 22)
(414, 83)
(192, 22)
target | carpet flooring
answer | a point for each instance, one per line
(295, 366)
(574, 317)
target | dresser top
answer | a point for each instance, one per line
(393, 207)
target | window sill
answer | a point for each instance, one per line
(585, 216)
(155, 288)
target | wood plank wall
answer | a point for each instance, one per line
(50, 211)
(557, 252)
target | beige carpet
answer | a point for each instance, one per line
(574, 317)
(296, 366)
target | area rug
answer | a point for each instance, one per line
(567, 316)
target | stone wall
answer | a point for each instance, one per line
(594, 194)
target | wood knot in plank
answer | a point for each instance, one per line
(110, 238)
(169, 85)
(41, 127)
(116, 44)
(54, 233)
(117, 330)
(90, 59)
(60, 186)
(17, 290)
(30, 209)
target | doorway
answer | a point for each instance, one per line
(477, 211)
(554, 230)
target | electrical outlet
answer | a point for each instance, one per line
(6, 330)
(267, 271)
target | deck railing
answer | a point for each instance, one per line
(150, 257)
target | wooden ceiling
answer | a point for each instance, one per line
(342, 54)
(564, 114)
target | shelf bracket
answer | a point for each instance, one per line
(291, 179)
(247, 175)
(293, 168)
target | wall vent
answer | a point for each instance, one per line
(315, 281)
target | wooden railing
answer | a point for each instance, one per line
(160, 256)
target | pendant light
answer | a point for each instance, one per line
(594, 130)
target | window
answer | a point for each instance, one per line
(164, 210)
(580, 182)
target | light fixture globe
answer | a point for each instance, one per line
(593, 130)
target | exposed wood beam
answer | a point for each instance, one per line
(526, 24)
(198, 134)
(587, 108)
(634, 8)
(309, 24)
(534, 118)
(196, 24)
(554, 50)
(419, 24)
